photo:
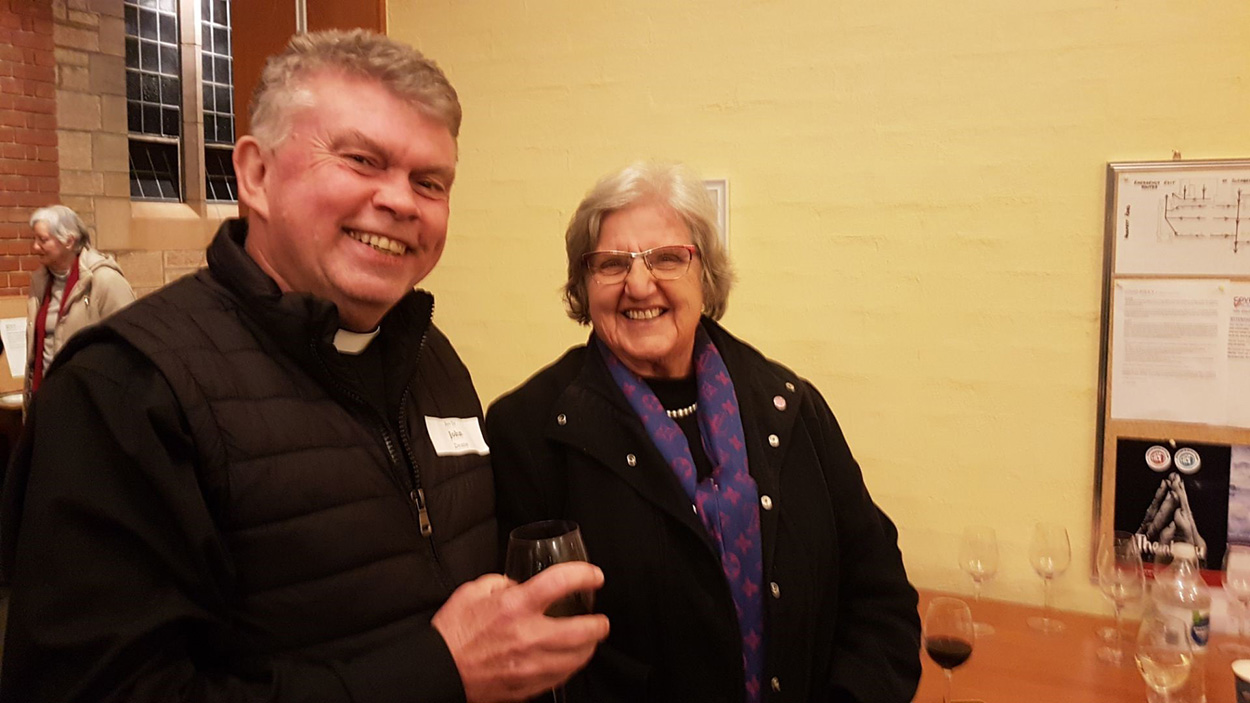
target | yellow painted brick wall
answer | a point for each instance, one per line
(916, 194)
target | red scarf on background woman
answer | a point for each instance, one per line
(41, 319)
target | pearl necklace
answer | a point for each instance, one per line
(683, 412)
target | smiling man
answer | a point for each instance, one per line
(262, 500)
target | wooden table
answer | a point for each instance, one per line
(1018, 664)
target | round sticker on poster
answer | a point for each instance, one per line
(1158, 458)
(1187, 461)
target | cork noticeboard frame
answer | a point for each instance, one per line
(1173, 452)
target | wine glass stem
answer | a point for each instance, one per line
(947, 698)
(1241, 619)
(1116, 643)
(1046, 599)
(976, 590)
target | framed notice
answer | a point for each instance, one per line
(718, 190)
(1173, 455)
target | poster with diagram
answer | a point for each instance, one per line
(1183, 221)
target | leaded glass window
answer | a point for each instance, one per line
(218, 92)
(153, 98)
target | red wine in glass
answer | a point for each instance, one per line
(948, 652)
(948, 635)
(539, 545)
(580, 603)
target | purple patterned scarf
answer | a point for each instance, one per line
(727, 501)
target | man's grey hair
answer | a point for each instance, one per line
(64, 224)
(671, 185)
(401, 69)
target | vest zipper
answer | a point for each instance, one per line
(415, 494)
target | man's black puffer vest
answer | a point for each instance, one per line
(315, 497)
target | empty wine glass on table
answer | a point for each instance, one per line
(978, 557)
(1164, 654)
(948, 635)
(1050, 554)
(539, 545)
(1122, 580)
(1237, 587)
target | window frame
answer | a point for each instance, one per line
(162, 225)
(191, 142)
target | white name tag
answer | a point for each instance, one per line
(456, 436)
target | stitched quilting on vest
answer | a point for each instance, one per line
(309, 505)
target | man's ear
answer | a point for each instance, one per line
(250, 169)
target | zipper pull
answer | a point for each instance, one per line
(423, 515)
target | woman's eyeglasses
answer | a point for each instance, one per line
(665, 263)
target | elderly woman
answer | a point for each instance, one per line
(76, 286)
(743, 557)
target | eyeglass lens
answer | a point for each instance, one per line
(666, 263)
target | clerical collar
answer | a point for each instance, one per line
(349, 342)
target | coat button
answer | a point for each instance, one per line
(789, 386)
(775, 683)
(631, 459)
(779, 402)
(561, 419)
(774, 440)
(775, 589)
(766, 502)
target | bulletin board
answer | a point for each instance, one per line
(1173, 457)
(13, 313)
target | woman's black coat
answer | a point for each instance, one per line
(840, 619)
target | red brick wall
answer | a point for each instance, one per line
(29, 176)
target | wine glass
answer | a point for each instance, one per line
(1122, 580)
(978, 557)
(1050, 554)
(1237, 586)
(539, 545)
(948, 635)
(1164, 655)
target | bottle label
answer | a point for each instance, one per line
(1201, 628)
(1199, 622)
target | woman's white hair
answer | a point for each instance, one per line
(674, 186)
(64, 224)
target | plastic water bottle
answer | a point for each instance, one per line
(1180, 592)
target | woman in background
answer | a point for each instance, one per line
(744, 559)
(75, 286)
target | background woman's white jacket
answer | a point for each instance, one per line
(101, 290)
